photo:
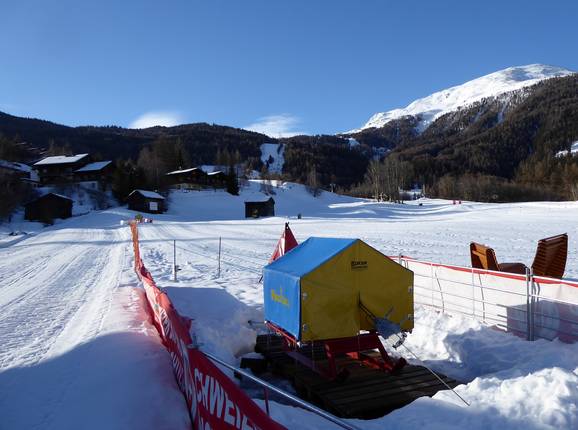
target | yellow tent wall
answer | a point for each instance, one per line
(330, 294)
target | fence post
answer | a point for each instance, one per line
(473, 294)
(532, 298)
(175, 269)
(528, 306)
(219, 264)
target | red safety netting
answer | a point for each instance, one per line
(214, 400)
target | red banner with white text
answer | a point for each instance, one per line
(214, 400)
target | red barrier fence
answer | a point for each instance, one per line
(214, 400)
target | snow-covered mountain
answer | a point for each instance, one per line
(429, 108)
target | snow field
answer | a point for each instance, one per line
(79, 337)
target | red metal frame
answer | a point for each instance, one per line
(353, 347)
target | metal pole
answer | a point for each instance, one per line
(266, 395)
(528, 306)
(174, 260)
(532, 287)
(298, 401)
(219, 266)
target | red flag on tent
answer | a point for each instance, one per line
(286, 243)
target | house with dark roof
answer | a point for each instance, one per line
(260, 209)
(146, 201)
(48, 207)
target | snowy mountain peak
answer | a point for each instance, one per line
(437, 104)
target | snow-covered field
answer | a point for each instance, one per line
(78, 352)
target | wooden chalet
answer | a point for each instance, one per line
(260, 209)
(48, 207)
(60, 168)
(187, 179)
(217, 179)
(195, 178)
(99, 171)
(146, 201)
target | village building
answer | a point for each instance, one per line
(48, 207)
(21, 171)
(61, 169)
(196, 178)
(217, 179)
(95, 175)
(187, 179)
(146, 201)
(260, 209)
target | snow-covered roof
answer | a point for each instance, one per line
(61, 159)
(148, 194)
(94, 167)
(215, 173)
(13, 165)
(57, 195)
(176, 172)
(573, 150)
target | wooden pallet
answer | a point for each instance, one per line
(366, 393)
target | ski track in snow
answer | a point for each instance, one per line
(49, 298)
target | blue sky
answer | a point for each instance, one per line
(284, 66)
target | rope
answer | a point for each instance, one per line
(435, 374)
(400, 342)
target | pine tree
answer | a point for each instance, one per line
(232, 184)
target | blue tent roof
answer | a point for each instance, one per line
(309, 255)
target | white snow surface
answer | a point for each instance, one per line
(437, 104)
(78, 351)
(275, 152)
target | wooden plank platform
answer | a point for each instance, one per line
(366, 393)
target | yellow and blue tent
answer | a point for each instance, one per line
(316, 291)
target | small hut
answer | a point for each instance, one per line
(217, 179)
(146, 201)
(260, 209)
(48, 207)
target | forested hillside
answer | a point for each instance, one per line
(497, 149)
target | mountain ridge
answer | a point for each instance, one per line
(439, 103)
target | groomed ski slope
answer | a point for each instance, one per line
(83, 355)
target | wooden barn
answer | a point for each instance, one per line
(60, 168)
(217, 179)
(187, 179)
(260, 209)
(146, 201)
(99, 171)
(48, 207)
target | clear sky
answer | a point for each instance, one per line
(313, 66)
